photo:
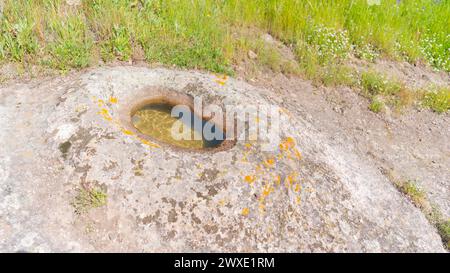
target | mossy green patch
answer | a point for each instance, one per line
(89, 197)
(376, 106)
(64, 148)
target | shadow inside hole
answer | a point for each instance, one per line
(156, 120)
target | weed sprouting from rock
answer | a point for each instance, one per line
(89, 197)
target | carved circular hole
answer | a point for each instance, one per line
(152, 118)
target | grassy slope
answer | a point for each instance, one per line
(214, 35)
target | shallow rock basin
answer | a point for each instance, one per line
(156, 120)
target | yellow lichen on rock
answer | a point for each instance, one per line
(221, 80)
(249, 179)
(113, 100)
(245, 211)
(105, 114)
(269, 172)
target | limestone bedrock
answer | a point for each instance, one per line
(308, 195)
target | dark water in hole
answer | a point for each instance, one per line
(155, 120)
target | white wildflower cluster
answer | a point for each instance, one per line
(436, 52)
(374, 2)
(329, 43)
(366, 52)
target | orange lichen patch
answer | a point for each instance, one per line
(127, 132)
(297, 154)
(148, 143)
(221, 202)
(105, 114)
(287, 143)
(262, 207)
(247, 151)
(270, 173)
(267, 189)
(113, 100)
(280, 156)
(100, 102)
(221, 79)
(245, 211)
(221, 76)
(289, 140)
(249, 179)
(269, 162)
(288, 149)
(291, 178)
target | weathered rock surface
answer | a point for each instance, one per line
(311, 195)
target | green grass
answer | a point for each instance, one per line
(200, 34)
(394, 93)
(376, 106)
(444, 231)
(442, 225)
(89, 198)
(416, 194)
(70, 47)
(376, 84)
(438, 101)
(18, 36)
